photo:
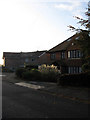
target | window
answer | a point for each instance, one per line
(80, 70)
(74, 70)
(32, 59)
(52, 56)
(63, 54)
(68, 54)
(69, 40)
(26, 60)
(74, 54)
(71, 54)
(77, 38)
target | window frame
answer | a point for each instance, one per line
(74, 54)
(52, 56)
(63, 55)
(74, 70)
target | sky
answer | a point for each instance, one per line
(31, 25)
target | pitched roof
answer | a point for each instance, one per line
(23, 54)
(63, 46)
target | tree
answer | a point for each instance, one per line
(84, 38)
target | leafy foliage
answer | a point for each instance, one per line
(45, 73)
(78, 80)
(84, 37)
(47, 69)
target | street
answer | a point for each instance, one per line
(22, 102)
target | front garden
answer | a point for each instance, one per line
(46, 73)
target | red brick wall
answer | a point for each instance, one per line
(10, 62)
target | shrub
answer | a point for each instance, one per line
(26, 75)
(46, 74)
(19, 72)
(33, 74)
(46, 68)
(81, 79)
(4, 69)
(49, 77)
(86, 67)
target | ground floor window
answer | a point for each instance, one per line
(74, 70)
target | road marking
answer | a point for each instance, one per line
(38, 87)
(29, 85)
(2, 75)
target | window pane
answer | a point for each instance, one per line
(74, 54)
(68, 54)
(52, 56)
(79, 54)
(71, 54)
(62, 54)
(69, 70)
(74, 69)
(80, 70)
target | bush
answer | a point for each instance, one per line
(37, 75)
(19, 72)
(81, 79)
(31, 74)
(48, 73)
(46, 68)
(4, 69)
(26, 75)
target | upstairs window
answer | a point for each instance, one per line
(26, 60)
(74, 54)
(63, 54)
(68, 54)
(52, 56)
(77, 38)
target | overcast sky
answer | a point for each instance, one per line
(31, 25)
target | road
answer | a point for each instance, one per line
(22, 102)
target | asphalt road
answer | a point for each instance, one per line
(21, 102)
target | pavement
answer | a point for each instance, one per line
(80, 94)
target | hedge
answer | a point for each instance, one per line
(35, 75)
(19, 72)
(81, 79)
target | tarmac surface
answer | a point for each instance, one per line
(80, 94)
(23, 102)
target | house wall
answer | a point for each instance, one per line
(15, 60)
(12, 63)
(68, 65)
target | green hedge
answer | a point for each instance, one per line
(81, 79)
(49, 77)
(36, 75)
(31, 75)
(19, 72)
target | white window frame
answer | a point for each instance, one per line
(68, 54)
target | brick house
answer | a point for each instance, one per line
(67, 56)
(13, 60)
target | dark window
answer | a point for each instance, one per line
(33, 59)
(74, 54)
(52, 56)
(74, 70)
(63, 54)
